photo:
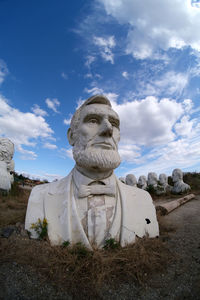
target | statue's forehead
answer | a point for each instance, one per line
(98, 109)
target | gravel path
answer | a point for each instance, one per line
(180, 281)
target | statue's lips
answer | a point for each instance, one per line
(103, 145)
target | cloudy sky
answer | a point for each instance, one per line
(143, 55)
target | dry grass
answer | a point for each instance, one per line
(13, 206)
(83, 271)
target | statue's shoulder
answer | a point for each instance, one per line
(52, 187)
(135, 192)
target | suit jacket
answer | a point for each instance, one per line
(55, 202)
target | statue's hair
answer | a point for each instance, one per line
(6, 141)
(97, 99)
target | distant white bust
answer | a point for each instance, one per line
(142, 182)
(91, 205)
(6, 163)
(152, 179)
(179, 185)
(131, 180)
(163, 186)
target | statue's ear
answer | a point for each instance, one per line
(70, 137)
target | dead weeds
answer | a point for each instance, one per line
(13, 206)
(81, 271)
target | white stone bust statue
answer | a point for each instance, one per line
(163, 186)
(6, 163)
(131, 180)
(163, 180)
(91, 205)
(142, 182)
(179, 185)
(152, 179)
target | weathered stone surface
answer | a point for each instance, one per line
(6, 164)
(131, 180)
(91, 204)
(142, 182)
(179, 186)
(152, 179)
(163, 186)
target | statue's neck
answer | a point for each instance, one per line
(95, 173)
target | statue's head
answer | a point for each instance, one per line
(163, 179)
(177, 175)
(142, 180)
(6, 149)
(131, 180)
(152, 178)
(94, 134)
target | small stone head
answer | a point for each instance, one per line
(131, 180)
(152, 179)
(142, 182)
(163, 179)
(6, 149)
(177, 175)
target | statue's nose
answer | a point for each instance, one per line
(106, 128)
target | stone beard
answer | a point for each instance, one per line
(96, 158)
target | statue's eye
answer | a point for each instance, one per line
(93, 121)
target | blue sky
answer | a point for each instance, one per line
(143, 55)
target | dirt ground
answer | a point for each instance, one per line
(180, 280)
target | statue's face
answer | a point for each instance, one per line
(163, 179)
(177, 175)
(97, 137)
(131, 180)
(6, 149)
(142, 180)
(99, 127)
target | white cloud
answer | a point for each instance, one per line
(89, 60)
(172, 82)
(155, 25)
(49, 146)
(38, 111)
(25, 154)
(66, 153)
(41, 176)
(185, 126)
(24, 129)
(64, 75)
(125, 74)
(129, 152)
(105, 45)
(182, 153)
(93, 91)
(3, 71)
(53, 104)
(67, 121)
(148, 121)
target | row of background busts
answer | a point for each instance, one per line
(158, 184)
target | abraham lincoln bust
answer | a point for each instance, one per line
(91, 204)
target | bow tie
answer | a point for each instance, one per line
(96, 189)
